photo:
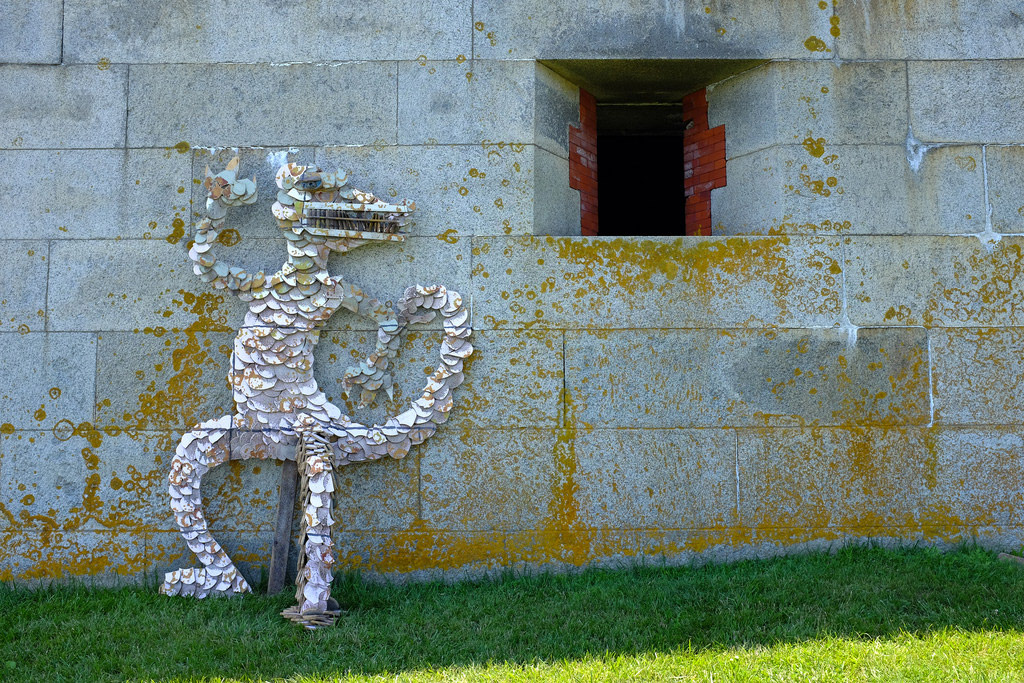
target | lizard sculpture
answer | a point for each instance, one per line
(280, 412)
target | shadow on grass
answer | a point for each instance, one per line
(80, 633)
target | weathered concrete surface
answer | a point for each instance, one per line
(974, 480)
(978, 374)
(462, 102)
(162, 380)
(1006, 192)
(482, 480)
(817, 188)
(630, 400)
(31, 32)
(719, 378)
(47, 377)
(939, 89)
(969, 29)
(195, 31)
(101, 558)
(62, 106)
(577, 283)
(459, 190)
(935, 281)
(127, 285)
(96, 193)
(827, 480)
(34, 481)
(23, 299)
(656, 479)
(784, 103)
(260, 104)
(421, 552)
(519, 29)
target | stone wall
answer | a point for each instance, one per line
(839, 361)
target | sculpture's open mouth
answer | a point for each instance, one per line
(361, 220)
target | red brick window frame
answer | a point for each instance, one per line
(703, 163)
(583, 162)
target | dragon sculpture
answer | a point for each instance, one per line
(280, 412)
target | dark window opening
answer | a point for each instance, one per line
(640, 169)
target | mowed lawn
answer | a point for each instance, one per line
(860, 614)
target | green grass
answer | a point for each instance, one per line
(864, 613)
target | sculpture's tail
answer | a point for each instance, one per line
(398, 434)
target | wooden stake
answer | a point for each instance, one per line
(283, 530)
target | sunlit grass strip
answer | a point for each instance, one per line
(866, 614)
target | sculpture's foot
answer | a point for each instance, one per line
(314, 619)
(203, 582)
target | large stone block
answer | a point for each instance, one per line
(971, 29)
(978, 374)
(817, 188)
(23, 300)
(460, 102)
(62, 106)
(973, 477)
(48, 378)
(513, 378)
(157, 380)
(966, 101)
(459, 190)
(195, 31)
(1005, 191)
(719, 29)
(132, 284)
(656, 479)
(573, 283)
(493, 479)
(420, 552)
(717, 378)
(31, 32)
(935, 281)
(96, 193)
(789, 102)
(33, 557)
(87, 478)
(41, 481)
(869, 481)
(262, 104)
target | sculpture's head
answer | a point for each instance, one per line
(323, 209)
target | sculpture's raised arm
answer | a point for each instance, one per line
(223, 190)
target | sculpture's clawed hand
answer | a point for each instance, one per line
(370, 380)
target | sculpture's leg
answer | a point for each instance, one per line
(199, 451)
(316, 560)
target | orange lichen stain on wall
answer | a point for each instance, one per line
(450, 236)
(816, 44)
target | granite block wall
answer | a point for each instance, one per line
(838, 361)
